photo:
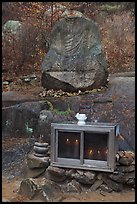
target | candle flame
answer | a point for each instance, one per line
(67, 140)
(90, 151)
(106, 151)
(76, 141)
(98, 152)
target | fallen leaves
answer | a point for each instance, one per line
(60, 93)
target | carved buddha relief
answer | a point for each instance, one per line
(75, 45)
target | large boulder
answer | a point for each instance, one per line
(75, 60)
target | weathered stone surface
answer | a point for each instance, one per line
(75, 59)
(28, 188)
(99, 176)
(131, 182)
(70, 173)
(125, 169)
(128, 176)
(118, 178)
(105, 188)
(80, 172)
(90, 174)
(87, 178)
(125, 161)
(55, 174)
(124, 178)
(35, 173)
(56, 171)
(112, 184)
(37, 162)
(73, 187)
(41, 150)
(39, 189)
(96, 185)
(44, 122)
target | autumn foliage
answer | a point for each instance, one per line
(24, 54)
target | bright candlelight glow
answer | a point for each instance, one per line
(67, 141)
(106, 151)
(98, 152)
(90, 151)
(76, 141)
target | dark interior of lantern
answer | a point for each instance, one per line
(69, 145)
(95, 145)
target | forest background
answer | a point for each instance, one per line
(23, 54)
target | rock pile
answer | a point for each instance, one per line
(38, 160)
(62, 180)
(123, 176)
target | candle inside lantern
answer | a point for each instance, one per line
(67, 147)
(105, 154)
(106, 151)
(67, 141)
(98, 154)
(90, 153)
(76, 149)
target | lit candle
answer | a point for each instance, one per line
(105, 154)
(67, 141)
(90, 153)
(76, 149)
(99, 155)
(106, 151)
(67, 147)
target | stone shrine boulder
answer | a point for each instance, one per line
(75, 60)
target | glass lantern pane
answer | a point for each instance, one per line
(69, 145)
(95, 146)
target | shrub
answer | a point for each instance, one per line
(118, 39)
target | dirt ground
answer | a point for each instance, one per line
(10, 193)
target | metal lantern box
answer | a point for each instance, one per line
(91, 146)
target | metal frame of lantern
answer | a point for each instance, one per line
(112, 130)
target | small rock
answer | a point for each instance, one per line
(39, 188)
(37, 162)
(90, 174)
(99, 176)
(70, 173)
(56, 174)
(86, 178)
(28, 188)
(96, 185)
(112, 184)
(73, 187)
(105, 188)
(56, 171)
(80, 172)
(34, 173)
(117, 177)
(126, 169)
(125, 161)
